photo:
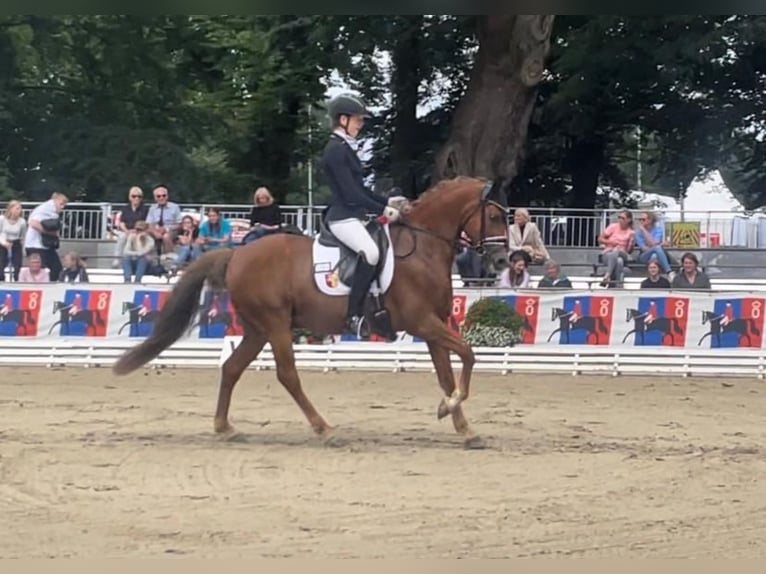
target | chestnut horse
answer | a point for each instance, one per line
(272, 289)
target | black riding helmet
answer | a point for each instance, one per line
(347, 104)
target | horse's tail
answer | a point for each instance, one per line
(179, 309)
(30, 317)
(754, 328)
(602, 326)
(677, 328)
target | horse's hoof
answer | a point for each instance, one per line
(442, 411)
(474, 443)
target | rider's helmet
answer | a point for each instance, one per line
(347, 105)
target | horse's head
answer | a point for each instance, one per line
(485, 222)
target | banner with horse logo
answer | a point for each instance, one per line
(140, 311)
(20, 312)
(658, 321)
(734, 322)
(82, 313)
(583, 320)
(216, 318)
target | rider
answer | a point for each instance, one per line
(351, 201)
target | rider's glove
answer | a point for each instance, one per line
(391, 213)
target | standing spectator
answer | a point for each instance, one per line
(136, 210)
(554, 277)
(138, 252)
(651, 242)
(43, 233)
(617, 240)
(163, 219)
(525, 235)
(654, 280)
(13, 227)
(73, 269)
(265, 216)
(516, 275)
(215, 232)
(35, 272)
(690, 276)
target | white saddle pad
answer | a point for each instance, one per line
(325, 260)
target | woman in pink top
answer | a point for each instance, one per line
(35, 273)
(617, 240)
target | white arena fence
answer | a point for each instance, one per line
(579, 331)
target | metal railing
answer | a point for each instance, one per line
(559, 227)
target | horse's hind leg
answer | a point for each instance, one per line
(282, 347)
(231, 371)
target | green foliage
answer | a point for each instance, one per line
(492, 322)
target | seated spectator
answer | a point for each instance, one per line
(554, 277)
(73, 270)
(690, 277)
(516, 275)
(651, 242)
(138, 253)
(265, 217)
(215, 232)
(35, 272)
(524, 234)
(187, 249)
(163, 218)
(617, 240)
(136, 210)
(654, 280)
(468, 262)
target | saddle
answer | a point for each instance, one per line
(348, 258)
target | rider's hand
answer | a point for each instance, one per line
(391, 213)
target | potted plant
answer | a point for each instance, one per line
(492, 322)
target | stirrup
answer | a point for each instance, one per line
(358, 326)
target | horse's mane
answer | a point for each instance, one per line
(444, 184)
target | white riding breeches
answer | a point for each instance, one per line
(352, 233)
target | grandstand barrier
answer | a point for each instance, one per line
(579, 332)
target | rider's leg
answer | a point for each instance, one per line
(353, 234)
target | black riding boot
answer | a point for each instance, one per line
(364, 274)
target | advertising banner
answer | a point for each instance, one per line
(608, 318)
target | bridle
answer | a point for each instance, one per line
(484, 241)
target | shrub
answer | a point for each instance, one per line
(491, 322)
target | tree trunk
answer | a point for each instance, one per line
(489, 129)
(405, 81)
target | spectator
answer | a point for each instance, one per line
(35, 272)
(188, 249)
(135, 211)
(554, 277)
(524, 234)
(690, 277)
(13, 227)
(516, 275)
(138, 252)
(265, 216)
(468, 262)
(617, 240)
(74, 269)
(42, 235)
(654, 280)
(163, 219)
(650, 240)
(215, 232)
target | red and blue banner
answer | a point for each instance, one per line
(140, 312)
(583, 320)
(82, 313)
(217, 318)
(658, 321)
(528, 307)
(734, 323)
(20, 312)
